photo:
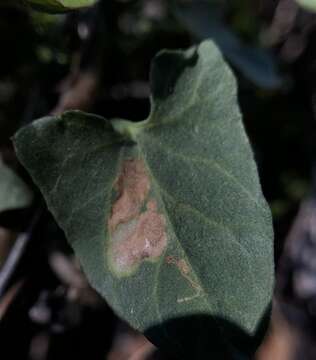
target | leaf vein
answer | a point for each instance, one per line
(212, 164)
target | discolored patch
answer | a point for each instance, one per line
(133, 187)
(185, 270)
(135, 235)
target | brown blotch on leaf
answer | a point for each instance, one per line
(133, 187)
(135, 235)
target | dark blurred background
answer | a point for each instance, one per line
(98, 60)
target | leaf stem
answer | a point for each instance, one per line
(128, 129)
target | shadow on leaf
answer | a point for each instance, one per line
(203, 337)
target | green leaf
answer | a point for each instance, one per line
(166, 215)
(57, 6)
(308, 4)
(14, 193)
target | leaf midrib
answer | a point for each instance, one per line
(170, 224)
(206, 220)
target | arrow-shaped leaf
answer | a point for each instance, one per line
(166, 215)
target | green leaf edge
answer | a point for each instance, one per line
(18, 186)
(58, 6)
(307, 4)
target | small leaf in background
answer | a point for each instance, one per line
(14, 193)
(308, 4)
(56, 6)
(166, 215)
(203, 19)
